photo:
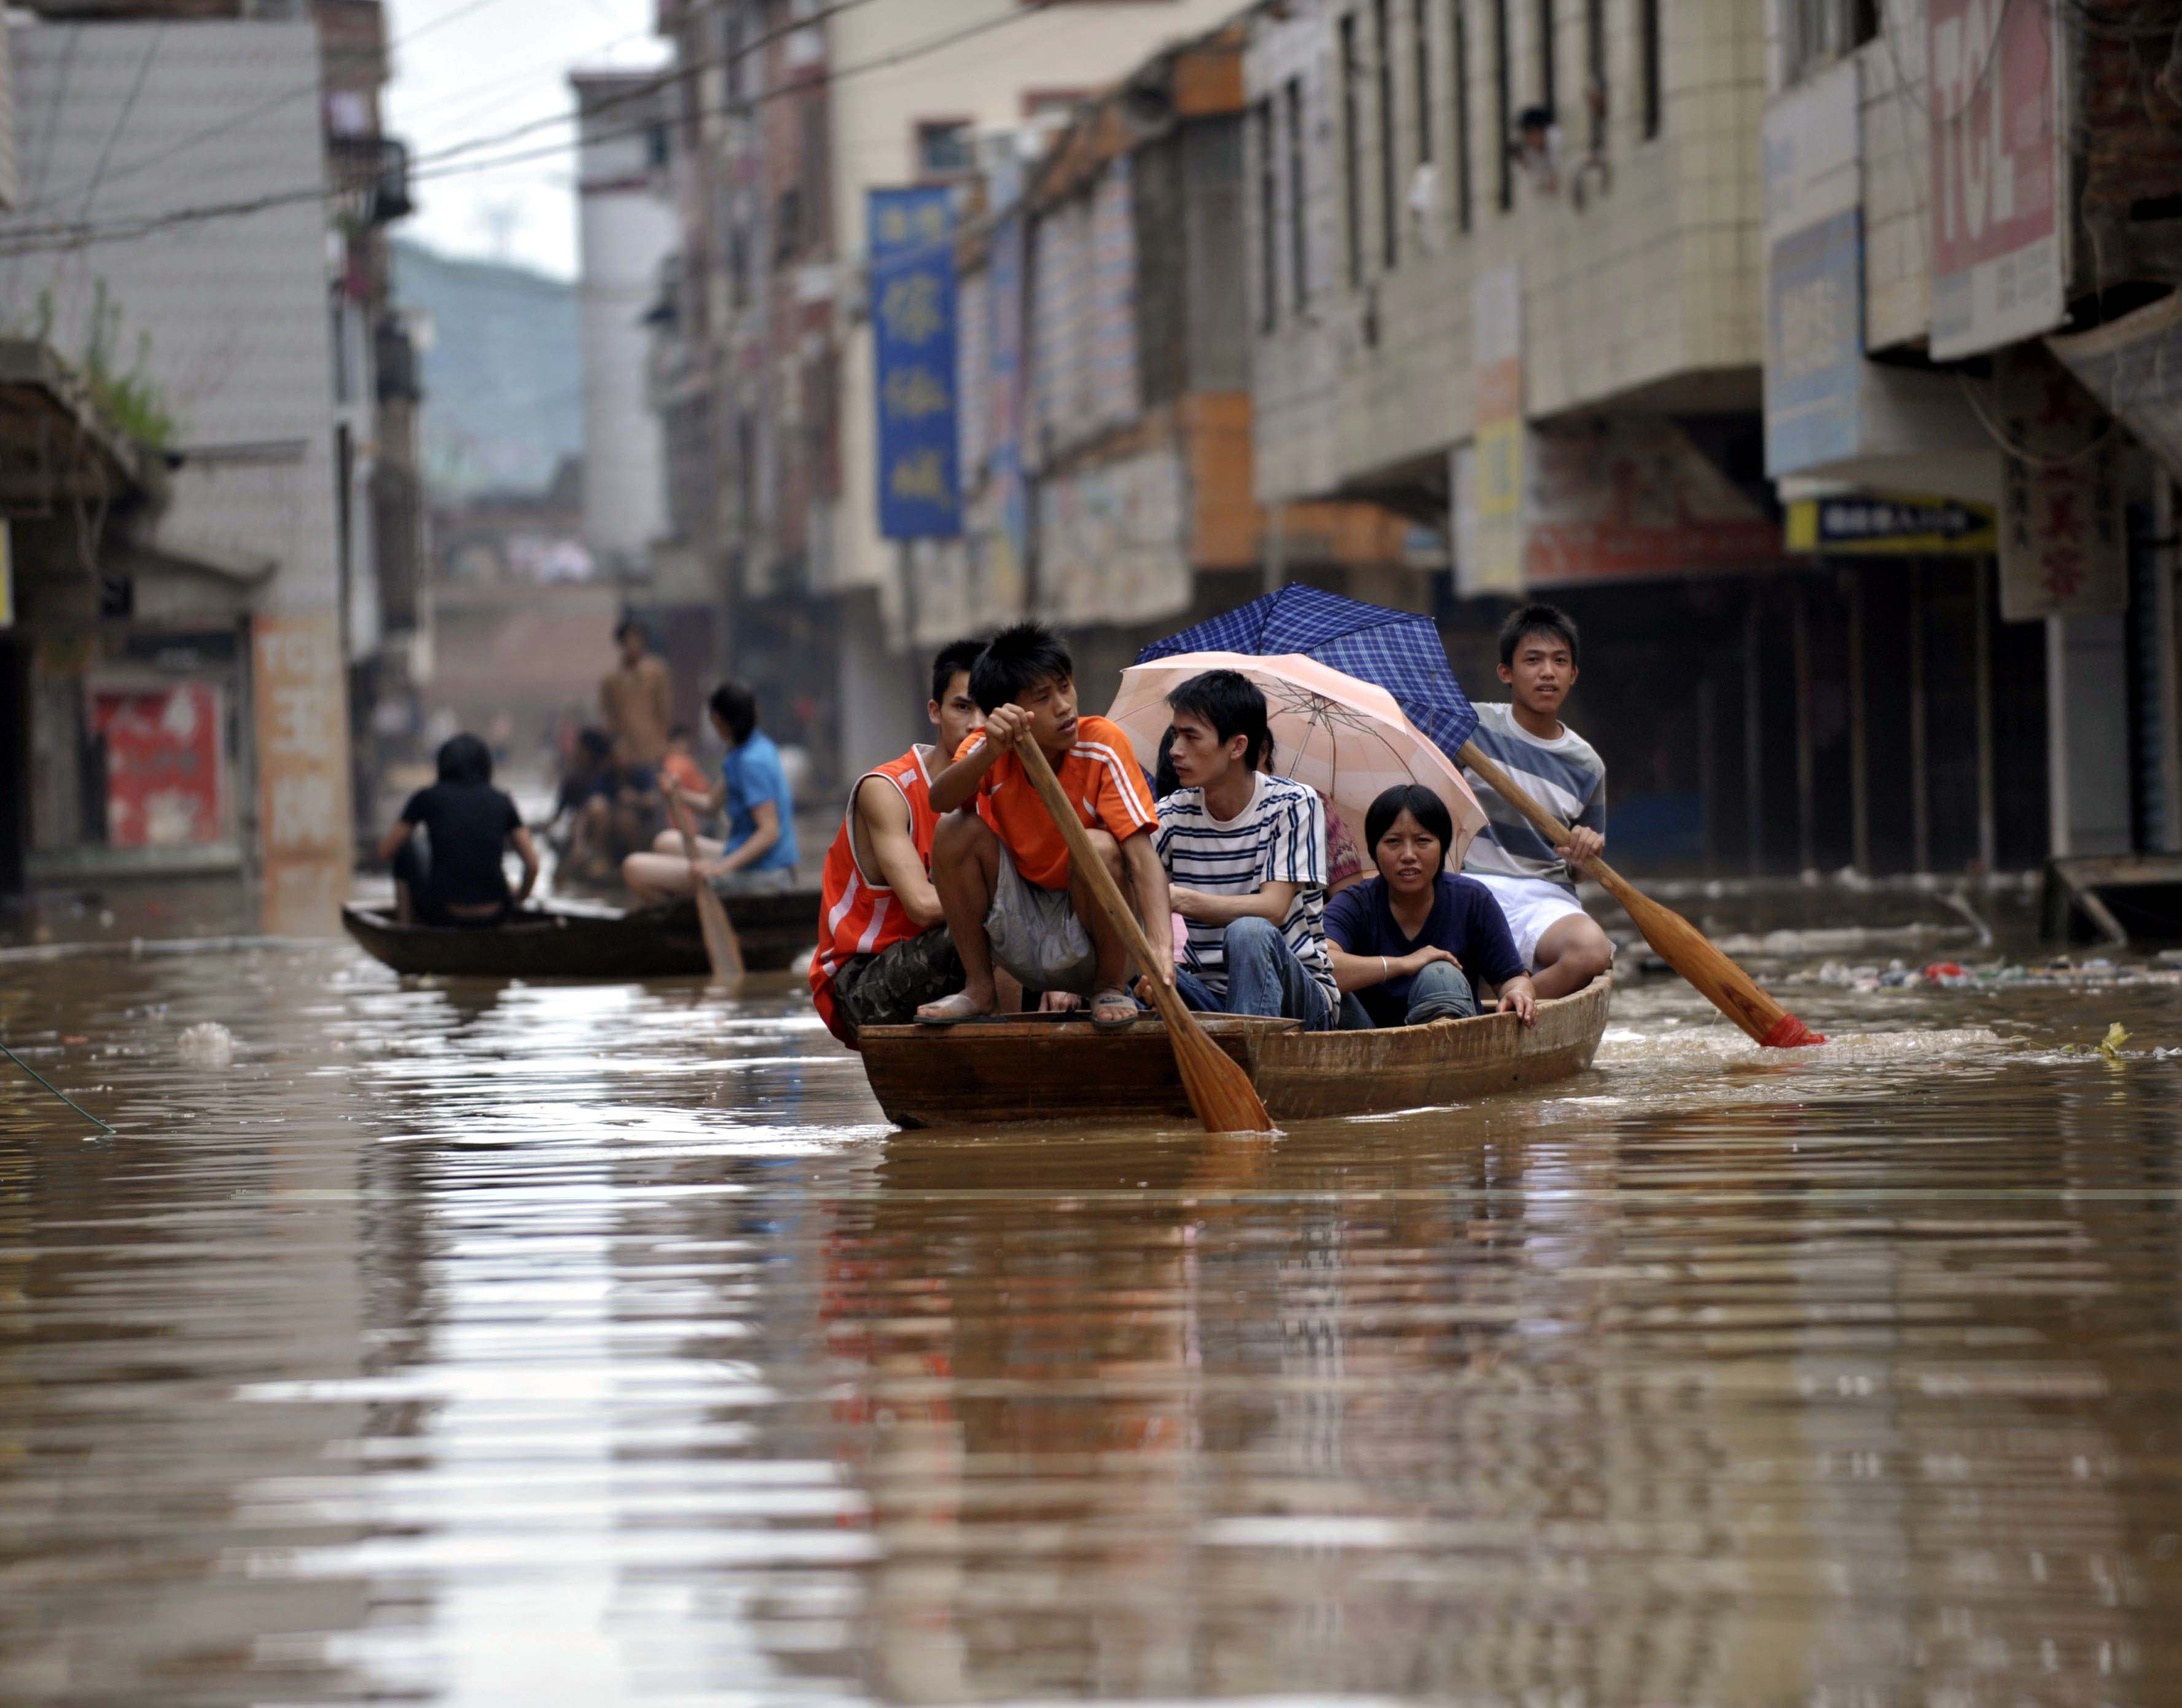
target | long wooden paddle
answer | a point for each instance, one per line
(1680, 944)
(722, 947)
(1218, 1088)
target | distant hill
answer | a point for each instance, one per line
(503, 379)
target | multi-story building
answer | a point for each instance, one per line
(182, 626)
(792, 113)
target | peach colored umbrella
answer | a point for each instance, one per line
(1344, 737)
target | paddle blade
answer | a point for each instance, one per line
(722, 947)
(1218, 1088)
(1725, 985)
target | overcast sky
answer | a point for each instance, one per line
(465, 69)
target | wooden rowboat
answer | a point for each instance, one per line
(570, 940)
(1049, 1067)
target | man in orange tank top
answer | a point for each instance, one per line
(1013, 901)
(883, 947)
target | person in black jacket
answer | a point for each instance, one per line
(457, 878)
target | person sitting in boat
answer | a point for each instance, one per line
(679, 769)
(1563, 946)
(1344, 861)
(883, 946)
(1406, 943)
(759, 856)
(456, 877)
(1004, 878)
(582, 827)
(1245, 855)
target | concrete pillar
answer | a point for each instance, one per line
(2087, 735)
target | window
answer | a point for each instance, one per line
(1549, 78)
(1647, 67)
(1390, 222)
(1503, 119)
(1459, 14)
(1298, 229)
(1816, 33)
(1351, 167)
(812, 170)
(1420, 22)
(787, 226)
(1269, 214)
(656, 147)
(733, 47)
(943, 149)
(1594, 55)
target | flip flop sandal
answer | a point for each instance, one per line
(954, 1010)
(1109, 999)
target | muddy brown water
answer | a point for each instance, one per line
(505, 1343)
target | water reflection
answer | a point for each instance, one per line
(488, 1343)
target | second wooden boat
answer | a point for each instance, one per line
(566, 940)
(1043, 1068)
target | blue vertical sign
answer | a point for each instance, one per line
(912, 249)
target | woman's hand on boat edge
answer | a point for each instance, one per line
(1520, 997)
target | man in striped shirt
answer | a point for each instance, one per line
(1245, 856)
(1534, 883)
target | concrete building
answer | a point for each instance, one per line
(184, 662)
(626, 228)
(794, 113)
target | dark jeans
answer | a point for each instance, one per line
(1441, 992)
(1264, 977)
(887, 989)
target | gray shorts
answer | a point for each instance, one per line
(1035, 936)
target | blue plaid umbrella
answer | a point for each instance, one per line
(1397, 650)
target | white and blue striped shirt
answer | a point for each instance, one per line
(1564, 775)
(1279, 838)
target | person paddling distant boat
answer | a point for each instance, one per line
(1535, 886)
(1003, 871)
(760, 853)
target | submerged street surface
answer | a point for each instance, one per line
(485, 1343)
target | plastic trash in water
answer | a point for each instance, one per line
(206, 1044)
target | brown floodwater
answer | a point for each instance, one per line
(486, 1343)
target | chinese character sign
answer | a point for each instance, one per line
(912, 298)
(1998, 263)
(1489, 473)
(1814, 274)
(2063, 552)
(303, 836)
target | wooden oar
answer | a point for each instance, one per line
(721, 947)
(1680, 944)
(1218, 1088)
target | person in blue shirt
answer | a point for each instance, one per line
(1407, 944)
(759, 853)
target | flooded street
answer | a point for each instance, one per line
(486, 1343)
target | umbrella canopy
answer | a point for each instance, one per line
(1399, 650)
(1345, 738)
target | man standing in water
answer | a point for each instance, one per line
(636, 700)
(1535, 885)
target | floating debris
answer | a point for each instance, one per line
(2110, 1045)
(206, 1044)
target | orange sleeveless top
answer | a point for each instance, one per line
(858, 916)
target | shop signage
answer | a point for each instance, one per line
(1891, 524)
(2133, 366)
(165, 778)
(913, 310)
(1998, 262)
(1814, 274)
(1489, 473)
(301, 722)
(2063, 545)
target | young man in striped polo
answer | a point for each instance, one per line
(1245, 858)
(1535, 885)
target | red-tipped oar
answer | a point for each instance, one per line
(1218, 1088)
(1680, 944)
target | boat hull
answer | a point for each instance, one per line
(662, 942)
(1035, 1068)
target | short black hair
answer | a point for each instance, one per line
(679, 732)
(736, 706)
(627, 623)
(950, 660)
(465, 759)
(1420, 804)
(596, 742)
(1533, 619)
(1233, 704)
(1016, 660)
(1165, 778)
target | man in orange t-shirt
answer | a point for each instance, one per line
(1003, 871)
